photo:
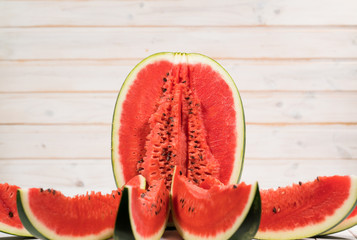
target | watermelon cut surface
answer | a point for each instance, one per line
(143, 213)
(48, 214)
(9, 218)
(177, 109)
(214, 210)
(307, 209)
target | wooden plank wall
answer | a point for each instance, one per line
(62, 64)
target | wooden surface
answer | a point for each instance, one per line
(62, 64)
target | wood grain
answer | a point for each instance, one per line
(119, 43)
(80, 175)
(178, 13)
(260, 108)
(93, 142)
(107, 76)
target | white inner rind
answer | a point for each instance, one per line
(318, 228)
(13, 230)
(51, 233)
(176, 58)
(226, 234)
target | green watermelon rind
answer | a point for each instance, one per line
(245, 226)
(191, 58)
(318, 229)
(250, 225)
(39, 230)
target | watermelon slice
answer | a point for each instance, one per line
(178, 109)
(214, 211)
(9, 219)
(48, 214)
(143, 213)
(306, 209)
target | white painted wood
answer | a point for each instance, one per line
(108, 43)
(260, 107)
(285, 172)
(263, 142)
(80, 175)
(178, 13)
(69, 176)
(96, 76)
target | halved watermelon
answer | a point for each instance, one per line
(9, 218)
(306, 209)
(214, 211)
(48, 214)
(143, 213)
(178, 109)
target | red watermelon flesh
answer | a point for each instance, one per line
(306, 209)
(9, 218)
(213, 212)
(49, 214)
(177, 109)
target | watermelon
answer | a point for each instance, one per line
(214, 211)
(48, 214)
(306, 209)
(143, 213)
(177, 109)
(9, 218)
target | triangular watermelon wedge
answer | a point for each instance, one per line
(48, 214)
(142, 213)
(307, 209)
(214, 210)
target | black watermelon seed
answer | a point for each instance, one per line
(189, 209)
(180, 172)
(195, 180)
(142, 195)
(113, 196)
(192, 209)
(196, 141)
(11, 214)
(195, 146)
(164, 90)
(300, 183)
(200, 155)
(167, 74)
(164, 79)
(234, 186)
(41, 189)
(54, 192)
(118, 193)
(183, 81)
(164, 114)
(274, 210)
(89, 197)
(187, 98)
(318, 179)
(49, 190)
